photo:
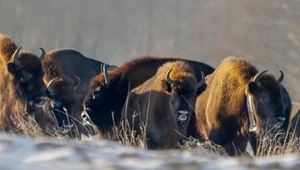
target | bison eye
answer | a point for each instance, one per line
(25, 76)
(88, 109)
(264, 98)
(39, 101)
(96, 92)
(97, 89)
(96, 95)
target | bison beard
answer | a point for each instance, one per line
(163, 105)
(103, 105)
(221, 110)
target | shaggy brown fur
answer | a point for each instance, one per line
(156, 103)
(20, 84)
(221, 109)
(65, 64)
(144, 65)
(7, 48)
(111, 99)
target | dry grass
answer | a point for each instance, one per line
(266, 147)
(27, 125)
(126, 135)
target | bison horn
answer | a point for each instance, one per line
(77, 81)
(106, 76)
(169, 80)
(50, 84)
(199, 84)
(281, 76)
(43, 53)
(16, 59)
(258, 76)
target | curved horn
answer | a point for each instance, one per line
(106, 76)
(50, 84)
(42, 56)
(169, 80)
(281, 76)
(16, 59)
(258, 76)
(77, 81)
(199, 84)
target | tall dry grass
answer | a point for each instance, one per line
(126, 134)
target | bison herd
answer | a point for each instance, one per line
(164, 99)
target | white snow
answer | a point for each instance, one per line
(18, 152)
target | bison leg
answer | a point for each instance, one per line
(151, 144)
(233, 144)
(219, 136)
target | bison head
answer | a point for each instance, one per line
(104, 99)
(183, 94)
(265, 104)
(27, 74)
(62, 92)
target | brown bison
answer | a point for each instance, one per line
(67, 74)
(238, 102)
(164, 104)
(295, 120)
(108, 91)
(21, 87)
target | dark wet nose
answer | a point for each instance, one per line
(182, 115)
(182, 118)
(280, 119)
(86, 118)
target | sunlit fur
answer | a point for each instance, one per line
(222, 111)
(123, 79)
(295, 120)
(155, 103)
(15, 94)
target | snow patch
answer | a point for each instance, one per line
(18, 152)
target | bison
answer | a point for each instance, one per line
(67, 74)
(239, 102)
(295, 120)
(292, 132)
(164, 104)
(21, 84)
(108, 90)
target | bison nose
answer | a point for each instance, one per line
(182, 115)
(281, 119)
(86, 118)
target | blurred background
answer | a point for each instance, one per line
(267, 33)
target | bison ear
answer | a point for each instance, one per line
(77, 81)
(166, 86)
(251, 87)
(12, 68)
